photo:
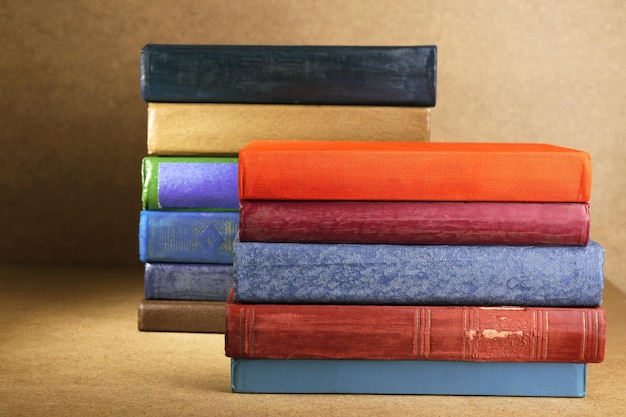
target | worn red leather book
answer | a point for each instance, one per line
(414, 222)
(413, 171)
(512, 334)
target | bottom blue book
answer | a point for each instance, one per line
(331, 376)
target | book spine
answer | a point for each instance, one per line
(192, 282)
(413, 171)
(223, 129)
(419, 274)
(187, 237)
(510, 334)
(267, 74)
(189, 183)
(308, 376)
(181, 316)
(394, 222)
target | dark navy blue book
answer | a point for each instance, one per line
(340, 376)
(187, 236)
(567, 276)
(275, 74)
(192, 282)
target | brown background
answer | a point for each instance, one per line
(73, 126)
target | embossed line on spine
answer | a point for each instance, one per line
(584, 339)
(597, 327)
(423, 327)
(417, 339)
(547, 327)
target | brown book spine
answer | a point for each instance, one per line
(511, 334)
(181, 316)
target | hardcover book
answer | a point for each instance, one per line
(187, 236)
(193, 282)
(413, 171)
(414, 222)
(223, 129)
(322, 376)
(181, 316)
(189, 183)
(503, 334)
(322, 273)
(272, 74)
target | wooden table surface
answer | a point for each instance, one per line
(69, 346)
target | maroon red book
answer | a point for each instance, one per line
(511, 334)
(415, 222)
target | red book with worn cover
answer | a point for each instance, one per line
(512, 334)
(413, 171)
(414, 222)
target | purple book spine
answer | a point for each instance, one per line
(198, 185)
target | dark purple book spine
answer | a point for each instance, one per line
(439, 223)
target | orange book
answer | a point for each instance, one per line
(413, 171)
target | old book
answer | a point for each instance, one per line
(198, 183)
(290, 74)
(414, 222)
(181, 316)
(413, 171)
(464, 333)
(321, 273)
(332, 376)
(223, 129)
(193, 282)
(187, 236)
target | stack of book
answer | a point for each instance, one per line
(415, 268)
(205, 102)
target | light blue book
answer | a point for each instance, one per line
(187, 236)
(326, 376)
(193, 282)
(311, 273)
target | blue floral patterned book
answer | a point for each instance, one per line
(419, 274)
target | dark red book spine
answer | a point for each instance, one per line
(514, 334)
(391, 222)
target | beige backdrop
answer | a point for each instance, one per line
(73, 126)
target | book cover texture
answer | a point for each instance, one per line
(419, 274)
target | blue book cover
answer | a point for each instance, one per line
(177, 183)
(192, 282)
(338, 376)
(187, 236)
(566, 276)
(290, 74)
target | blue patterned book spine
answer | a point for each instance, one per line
(322, 376)
(187, 236)
(419, 274)
(192, 282)
(289, 74)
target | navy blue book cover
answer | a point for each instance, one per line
(282, 74)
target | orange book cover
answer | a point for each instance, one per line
(413, 171)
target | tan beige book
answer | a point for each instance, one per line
(217, 129)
